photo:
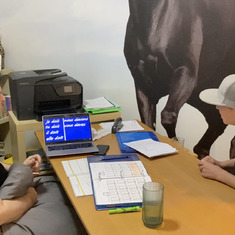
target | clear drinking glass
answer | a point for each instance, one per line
(152, 209)
(178, 140)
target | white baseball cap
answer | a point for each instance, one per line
(223, 96)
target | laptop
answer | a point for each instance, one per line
(67, 134)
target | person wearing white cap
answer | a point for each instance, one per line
(224, 100)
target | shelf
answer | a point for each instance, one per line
(5, 71)
(4, 120)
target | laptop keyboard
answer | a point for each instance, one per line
(70, 146)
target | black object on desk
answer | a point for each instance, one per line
(102, 149)
(117, 125)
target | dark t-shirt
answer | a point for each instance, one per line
(3, 174)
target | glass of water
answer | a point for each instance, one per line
(178, 140)
(152, 209)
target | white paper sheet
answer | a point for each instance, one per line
(131, 125)
(151, 148)
(98, 103)
(100, 133)
(118, 182)
(79, 176)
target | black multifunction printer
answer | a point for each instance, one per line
(35, 93)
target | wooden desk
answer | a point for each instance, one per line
(18, 129)
(192, 204)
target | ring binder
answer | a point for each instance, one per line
(117, 182)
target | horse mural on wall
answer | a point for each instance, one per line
(179, 48)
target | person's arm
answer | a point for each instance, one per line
(224, 164)
(215, 172)
(34, 162)
(228, 163)
(6, 166)
(10, 210)
(227, 178)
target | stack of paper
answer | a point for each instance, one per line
(151, 148)
(100, 105)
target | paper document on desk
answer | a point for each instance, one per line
(131, 125)
(79, 176)
(117, 180)
(151, 148)
(98, 103)
(100, 133)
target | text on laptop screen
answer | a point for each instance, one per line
(67, 129)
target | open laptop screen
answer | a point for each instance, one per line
(66, 128)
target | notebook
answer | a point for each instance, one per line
(67, 134)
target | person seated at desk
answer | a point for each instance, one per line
(11, 210)
(34, 205)
(224, 99)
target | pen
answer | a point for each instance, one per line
(124, 210)
(114, 158)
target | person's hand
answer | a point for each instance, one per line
(209, 159)
(212, 160)
(34, 162)
(209, 170)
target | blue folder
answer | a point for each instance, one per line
(129, 136)
(112, 158)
